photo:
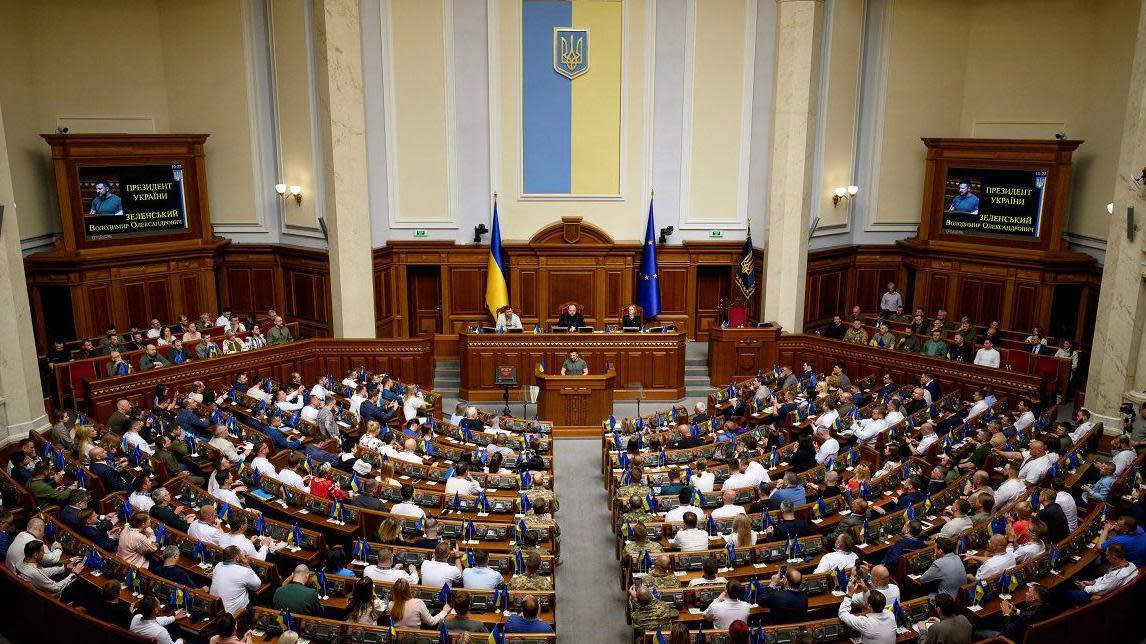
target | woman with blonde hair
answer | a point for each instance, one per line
(85, 443)
(371, 440)
(390, 532)
(385, 473)
(862, 474)
(742, 535)
(406, 611)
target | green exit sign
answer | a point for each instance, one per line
(421, 232)
(716, 234)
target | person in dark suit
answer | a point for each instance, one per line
(913, 493)
(931, 385)
(1052, 515)
(959, 350)
(684, 439)
(906, 543)
(788, 526)
(113, 479)
(190, 422)
(94, 533)
(571, 319)
(632, 319)
(1039, 608)
(366, 498)
(785, 600)
(275, 433)
(372, 410)
(106, 606)
(836, 329)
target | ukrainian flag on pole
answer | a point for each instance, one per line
(496, 291)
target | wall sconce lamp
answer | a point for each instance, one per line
(295, 191)
(843, 194)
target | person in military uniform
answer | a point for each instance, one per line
(900, 315)
(935, 347)
(856, 334)
(910, 343)
(636, 486)
(661, 575)
(639, 543)
(884, 339)
(635, 514)
(541, 491)
(649, 613)
(531, 579)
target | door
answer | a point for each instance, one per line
(712, 284)
(424, 293)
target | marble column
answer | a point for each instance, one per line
(342, 116)
(21, 397)
(799, 29)
(1115, 374)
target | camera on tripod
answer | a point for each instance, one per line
(1127, 411)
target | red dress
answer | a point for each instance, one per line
(321, 487)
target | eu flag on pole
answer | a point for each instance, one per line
(746, 271)
(496, 291)
(648, 281)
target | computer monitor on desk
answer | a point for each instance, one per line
(585, 329)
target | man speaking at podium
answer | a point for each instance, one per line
(571, 319)
(574, 366)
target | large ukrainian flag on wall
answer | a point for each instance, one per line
(571, 96)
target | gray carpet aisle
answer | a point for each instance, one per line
(590, 605)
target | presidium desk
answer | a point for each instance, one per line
(647, 366)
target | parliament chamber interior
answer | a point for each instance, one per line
(525, 321)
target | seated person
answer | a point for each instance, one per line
(527, 621)
(571, 319)
(507, 319)
(632, 318)
(1119, 573)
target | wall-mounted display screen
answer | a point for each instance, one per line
(993, 201)
(130, 200)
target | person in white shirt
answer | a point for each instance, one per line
(1010, 489)
(50, 579)
(289, 475)
(829, 446)
(407, 507)
(462, 483)
(690, 537)
(387, 571)
(925, 441)
(757, 472)
(148, 623)
(1120, 573)
(1125, 454)
(140, 498)
(979, 407)
(875, 625)
(261, 463)
(1035, 546)
(1034, 463)
(730, 508)
(135, 440)
(408, 452)
(867, 429)
(828, 415)
(676, 515)
(881, 581)
(1066, 502)
(414, 405)
(233, 581)
(842, 557)
(728, 607)
(438, 571)
(224, 479)
(987, 355)
(220, 440)
(894, 414)
(702, 479)
(206, 527)
(155, 330)
(224, 319)
(998, 561)
(357, 399)
(739, 477)
(289, 403)
(238, 537)
(310, 412)
(959, 520)
(1026, 418)
(1084, 425)
(319, 389)
(257, 391)
(507, 319)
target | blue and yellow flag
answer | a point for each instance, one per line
(496, 289)
(648, 280)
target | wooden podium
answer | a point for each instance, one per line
(575, 404)
(738, 353)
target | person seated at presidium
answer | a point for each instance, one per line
(574, 366)
(571, 319)
(507, 319)
(632, 318)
